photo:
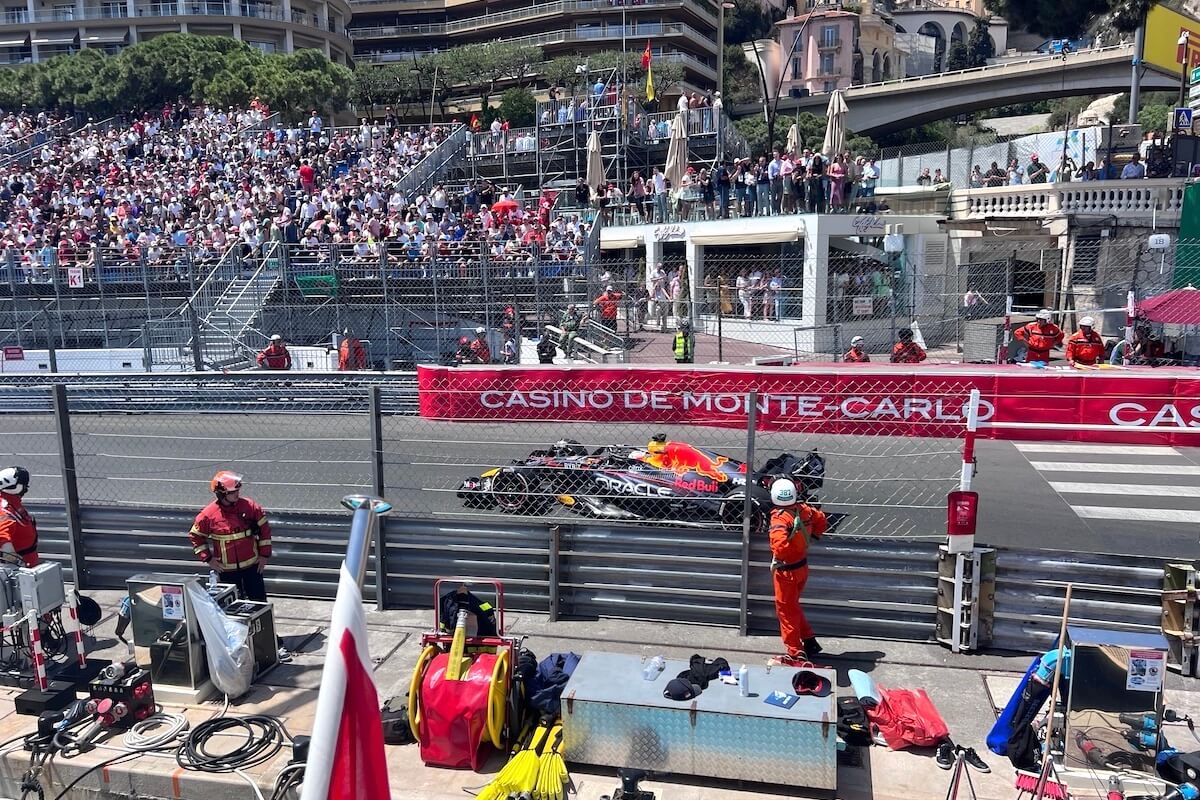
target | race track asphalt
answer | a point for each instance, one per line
(1087, 499)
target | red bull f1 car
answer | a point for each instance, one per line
(672, 482)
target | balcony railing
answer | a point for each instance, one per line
(1160, 198)
(829, 44)
(521, 14)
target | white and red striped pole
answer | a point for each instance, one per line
(76, 628)
(968, 457)
(1130, 312)
(1008, 303)
(39, 655)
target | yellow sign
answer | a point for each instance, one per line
(1164, 31)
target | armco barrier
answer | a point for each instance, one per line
(211, 393)
(1110, 591)
(857, 588)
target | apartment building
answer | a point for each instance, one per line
(830, 48)
(395, 31)
(37, 30)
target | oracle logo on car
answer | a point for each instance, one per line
(1167, 415)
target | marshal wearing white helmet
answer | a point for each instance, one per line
(18, 531)
(794, 525)
(1040, 337)
(1086, 346)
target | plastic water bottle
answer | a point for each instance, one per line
(212, 580)
(744, 681)
(655, 666)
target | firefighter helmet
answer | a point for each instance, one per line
(14, 480)
(1087, 322)
(224, 482)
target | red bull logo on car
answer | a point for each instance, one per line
(682, 458)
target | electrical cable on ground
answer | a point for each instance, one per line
(264, 738)
(156, 732)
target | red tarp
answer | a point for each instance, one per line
(1177, 307)
(908, 718)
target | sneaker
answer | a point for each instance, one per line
(813, 647)
(285, 656)
(945, 755)
(972, 758)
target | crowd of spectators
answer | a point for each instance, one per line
(176, 189)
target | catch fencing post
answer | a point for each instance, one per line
(747, 511)
(51, 345)
(194, 322)
(66, 457)
(374, 409)
(555, 553)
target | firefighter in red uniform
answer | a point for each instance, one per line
(18, 531)
(793, 527)
(232, 535)
(351, 354)
(479, 351)
(906, 351)
(1085, 345)
(856, 354)
(276, 356)
(1039, 336)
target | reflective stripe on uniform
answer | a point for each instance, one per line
(225, 567)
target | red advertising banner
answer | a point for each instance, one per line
(1120, 406)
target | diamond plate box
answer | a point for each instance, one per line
(613, 717)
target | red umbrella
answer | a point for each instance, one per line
(1178, 307)
(504, 206)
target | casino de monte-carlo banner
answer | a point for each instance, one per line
(1135, 406)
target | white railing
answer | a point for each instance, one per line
(1161, 198)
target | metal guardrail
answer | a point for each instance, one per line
(1111, 591)
(857, 587)
(218, 394)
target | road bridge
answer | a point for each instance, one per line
(878, 108)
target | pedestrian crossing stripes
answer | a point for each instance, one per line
(1128, 483)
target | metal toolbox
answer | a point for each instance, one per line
(613, 717)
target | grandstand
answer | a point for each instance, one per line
(200, 231)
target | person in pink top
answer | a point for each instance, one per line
(837, 182)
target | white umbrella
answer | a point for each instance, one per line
(793, 140)
(677, 153)
(835, 126)
(595, 163)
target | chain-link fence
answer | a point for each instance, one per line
(306, 446)
(412, 302)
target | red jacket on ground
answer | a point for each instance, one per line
(276, 356)
(231, 537)
(18, 529)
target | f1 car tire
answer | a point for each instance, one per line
(733, 508)
(512, 492)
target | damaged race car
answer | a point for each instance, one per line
(668, 481)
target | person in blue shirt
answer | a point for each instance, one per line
(1134, 170)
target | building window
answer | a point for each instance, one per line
(15, 16)
(830, 86)
(829, 36)
(797, 68)
(265, 47)
(113, 10)
(826, 63)
(64, 12)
